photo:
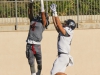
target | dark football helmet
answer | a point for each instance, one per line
(70, 23)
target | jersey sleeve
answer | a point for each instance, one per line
(69, 31)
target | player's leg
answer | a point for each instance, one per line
(30, 57)
(60, 64)
(38, 56)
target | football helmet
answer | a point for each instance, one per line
(70, 23)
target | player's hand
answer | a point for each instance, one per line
(31, 1)
(53, 7)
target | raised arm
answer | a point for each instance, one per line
(43, 13)
(63, 31)
(30, 13)
(56, 19)
(54, 22)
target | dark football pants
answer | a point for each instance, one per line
(34, 51)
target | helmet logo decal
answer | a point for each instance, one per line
(71, 24)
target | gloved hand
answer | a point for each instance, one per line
(53, 9)
(31, 1)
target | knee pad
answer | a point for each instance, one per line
(31, 62)
(39, 66)
(39, 62)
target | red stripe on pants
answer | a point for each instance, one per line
(33, 49)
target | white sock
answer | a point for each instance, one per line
(33, 74)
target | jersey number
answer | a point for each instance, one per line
(33, 26)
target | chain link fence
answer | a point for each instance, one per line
(15, 12)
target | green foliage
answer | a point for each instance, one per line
(64, 7)
(89, 7)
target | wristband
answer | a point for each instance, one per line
(42, 6)
(54, 14)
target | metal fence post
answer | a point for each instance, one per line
(77, 13)
(16, 24)
(46, 6)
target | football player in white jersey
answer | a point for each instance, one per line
(64, 42)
